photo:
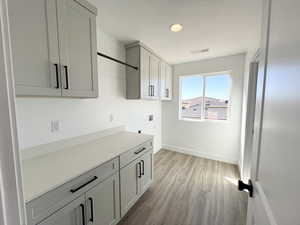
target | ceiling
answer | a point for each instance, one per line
(224, 26)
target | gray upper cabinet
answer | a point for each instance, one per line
(54, 47)
(72, 214)
(78, 50)
(143, 83)
(165, 81)
(154, 76)
(34, 39)
(103, 202)
(169, 82)
(145, 65)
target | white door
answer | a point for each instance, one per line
(103, 202)
(275, 168)
(78, 50)
(35, 52)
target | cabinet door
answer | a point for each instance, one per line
(130, 185)
(34, 39)
(154, 76)
(145, 73)
(146, 171)
(169, 80)
(72, 214)
(103, 202)
(78, 50)
(162, 80)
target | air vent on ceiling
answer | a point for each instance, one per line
(200, 51)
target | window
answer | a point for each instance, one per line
(205, 97)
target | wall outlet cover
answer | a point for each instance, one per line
(151, 117)
(55, 125)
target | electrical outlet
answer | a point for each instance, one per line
(151, 117)
(54, 125)
(111, 118)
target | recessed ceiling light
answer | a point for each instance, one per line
(176, 27)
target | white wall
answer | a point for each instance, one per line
(83, 116)
(212, 139)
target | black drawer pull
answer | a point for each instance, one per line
(139, 169)
(57, 77)
(82, 213)
(67, 77)
(92, 209)
(143, 167)
(140, 150)
(81, 186)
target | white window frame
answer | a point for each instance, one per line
(204, 75)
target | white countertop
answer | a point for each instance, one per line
(44, 173)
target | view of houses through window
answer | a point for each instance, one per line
(205, 97)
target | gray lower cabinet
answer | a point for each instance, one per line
(72, 214)
(130, 185)
(98, 206)
(103, 202)
(135, 179)
(101, 196)
(146, 171)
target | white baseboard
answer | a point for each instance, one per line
(200, 154)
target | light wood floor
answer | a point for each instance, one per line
(188, 190)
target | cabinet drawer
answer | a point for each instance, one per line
(40, 208)
(134, 153)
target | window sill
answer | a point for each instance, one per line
(204, 120)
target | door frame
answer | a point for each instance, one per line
(249, 118)
(12, 206)
(259, 205)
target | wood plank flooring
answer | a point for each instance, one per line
(188, 190)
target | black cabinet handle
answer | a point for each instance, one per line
(67, 77)
(92, 209)
(82, 213)
(143, 167)
(81, 186)
(139, 170)
(140, 150)
(56, 74)
(153, 88)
